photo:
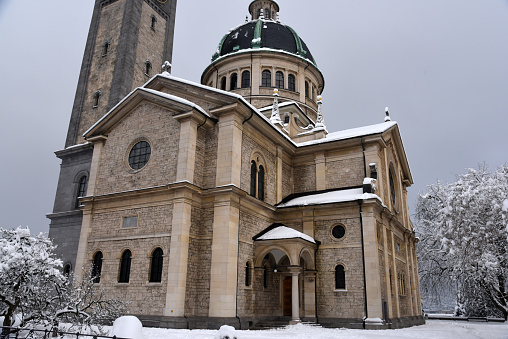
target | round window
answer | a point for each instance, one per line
(338, 232)
(139, 155)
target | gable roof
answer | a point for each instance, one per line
(279, 231)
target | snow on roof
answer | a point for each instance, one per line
(177, 99)
(264, 49)
(352, 133)
(284, 232)
(353, 194)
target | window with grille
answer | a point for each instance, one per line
(266, 78)
(279, 80)
(291, 83)
(233, 82)
(245, 79)
(139, 155)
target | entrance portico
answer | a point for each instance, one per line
(293, 252)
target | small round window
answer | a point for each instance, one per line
(338, 232)
(139, 155)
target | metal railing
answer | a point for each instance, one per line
(22, 333)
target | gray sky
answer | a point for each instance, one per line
(441, 66)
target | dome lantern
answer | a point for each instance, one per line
(263, 9)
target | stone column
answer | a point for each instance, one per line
(408, 274)
(295, 296)
(308, 222)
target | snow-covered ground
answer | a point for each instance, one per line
(434, 329)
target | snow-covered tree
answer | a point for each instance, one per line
(34, 291)
(30, 276)
(463, 230)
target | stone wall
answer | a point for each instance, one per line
(287, 183)
(344, 173)
(199, 166)
(304, 178)
(210, 157)
(162, 132)
(197, 296)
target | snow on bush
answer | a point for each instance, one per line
(127, 327)
(226, 332)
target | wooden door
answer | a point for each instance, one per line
(287, 296)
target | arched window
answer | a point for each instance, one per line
(253, 178)
(97, 267)
(125, 267)
(148, 67)
(392, 186)
(340, 278)
(306, 89)
(279, 79)
(67, 269)
(105, 48)
(233, 84)
(247, 274)
(261, 183)
(267, 13)
(245, 79)
(153, 22)
(402, 284)
(291, 83)
(81, 192)
(156, 267)
(266, 78)
(96, 98)
(223, 83)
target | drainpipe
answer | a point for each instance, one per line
(315, 285)
(360, 202)
(364, 162)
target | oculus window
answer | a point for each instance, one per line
(139, 155)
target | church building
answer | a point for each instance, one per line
(228, 201)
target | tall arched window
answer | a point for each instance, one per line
(340, 278)
(261, 183)
(279, 79)
(291, 83)
(253, 178)
(148, 67)
(247, 274)
(245, 79)
(392, 186)
(267, 13)
(81, 191)
(96, 97)
(105, 48)
(156, 266)
(125, 267)
(266, 78)
(233, 82)
(306, 89)
(223, 83)
(97, 267)
(67, 269)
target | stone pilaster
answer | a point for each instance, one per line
(229, 150)
(320, 171)
(387, 274)
(179, 254)
(81, 260)
(224, 266)
(279, 174)
(187, 150)
(396, 312)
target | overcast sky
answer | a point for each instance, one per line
(441, 66)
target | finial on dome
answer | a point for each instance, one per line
(320, 121)
(263, 9)
(387, 117)
(261, 14)
(275, 118)
(166, 68)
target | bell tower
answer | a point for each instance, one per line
(127, 43)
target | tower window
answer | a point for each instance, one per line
(125, 267)
(153, 22)
(233, 82)
(279, 79)
(392, 186)
(82, 184)
(253, 177)
(97, 267)
(291, 83)
(105, 48)
(266, 78)
(257, 181)
(340, 278)
(267, 13)
(148, 67)
(156, 266)
(223, 83)
(245, 79)
(306, 89)
(96, 98)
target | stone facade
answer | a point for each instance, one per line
(313, 242)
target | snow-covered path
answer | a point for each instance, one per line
(434, 329)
